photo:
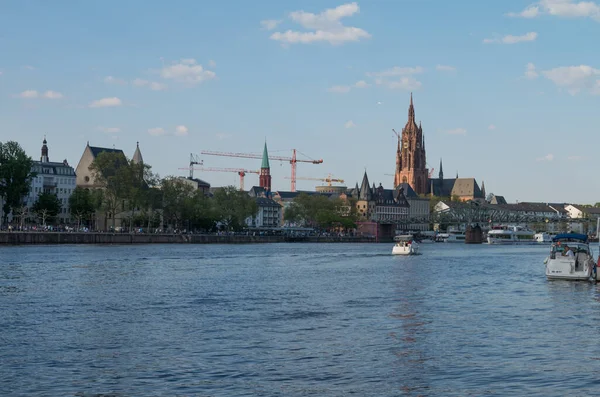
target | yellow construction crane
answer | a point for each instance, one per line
(328, 179)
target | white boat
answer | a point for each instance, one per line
(571, 258)
(510, 235)
(542, 237)
(455, 238)
(405, 245)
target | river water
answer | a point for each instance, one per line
(293, 320)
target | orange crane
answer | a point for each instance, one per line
(292, 160)
(328, 179)
(241, 172)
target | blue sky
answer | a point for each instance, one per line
(508, 92)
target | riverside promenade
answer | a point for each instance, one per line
(40, 238)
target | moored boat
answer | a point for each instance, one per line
(405, 245)
(455, 238)
(571, 258)
(542, 237)
(510, 235)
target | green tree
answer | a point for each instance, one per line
(15, 176)
(139, 179)
(81, 205)
(176, 194)
(232, 207)
(47, 207)
(111, 172)
(203, 214)
(320, 211)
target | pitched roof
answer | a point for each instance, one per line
(441, 187)
(365, 189)
(265, 157)
(466, 187)
(97, 150)
(408, 190)
(498, 200)
(266, 202)
(137, 156)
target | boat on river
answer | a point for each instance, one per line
(571, 258)
(405, 245)
(542, 237)
(510, 235)
(455, 238)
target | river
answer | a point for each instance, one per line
(293, 320)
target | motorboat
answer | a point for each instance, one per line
(510, 235)
(405, 245)
(571, 258)
(542, 237)
(455, 238)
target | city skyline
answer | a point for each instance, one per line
(505, 92)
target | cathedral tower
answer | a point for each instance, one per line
(410, 155)
(44, 158)
(264, 179)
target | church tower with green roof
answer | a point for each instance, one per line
(265, 171)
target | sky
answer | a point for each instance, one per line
(508, 92)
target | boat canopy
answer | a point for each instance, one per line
(575, 237)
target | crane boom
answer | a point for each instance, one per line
(292, 160)
(240, 171)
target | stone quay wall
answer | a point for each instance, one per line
(41, 238)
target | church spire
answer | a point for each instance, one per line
(441, 173)
(45, 158)
(264, 180)
(483, 189)
(411, 110)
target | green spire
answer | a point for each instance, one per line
(265, 159)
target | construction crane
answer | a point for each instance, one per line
(194, 160)
(328, 179)
(241, 172)
(292, 160)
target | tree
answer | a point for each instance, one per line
(47, 207)
(15, 175)
(111, 172)
(320, 211)
(81, 204)
(233, 206)
(176, 194)
(202, 212)
(139, 180)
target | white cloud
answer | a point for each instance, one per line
(576, 158)
(397, 71)
(548, 157)
(29, 94)
(325, 26)
(212, 64)
(53, 95)
(510, 39)
(109, 130)
(340, 89)
(106, 102)
(407, 83)
(361, 84)
(445, 68)
(531, 72)
(181, 130)
(156, 131)
(114, 80)
(270, 24)
(379, 103)
(457, 131)
(28, 67)
(154, 86)
(491, 127)
(349, 124)
(574, 78)
(187, 71)
(561, 8)
(530, 12)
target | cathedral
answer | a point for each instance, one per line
(411, 167)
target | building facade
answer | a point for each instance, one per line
(52, 177)
(268, 215)
(411, 163)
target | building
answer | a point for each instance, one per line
(268, 215)
(52, 177)
(380, 211)
(265, 171)
(418, 210)
(411, 167)
(85, 177)
(197, 184)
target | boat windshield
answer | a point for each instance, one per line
(576, 248)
